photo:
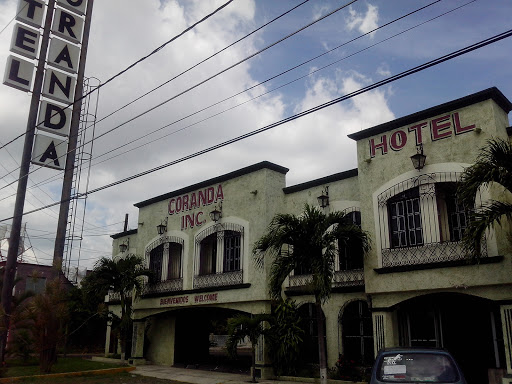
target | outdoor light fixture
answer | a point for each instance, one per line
(216, 214)
(162, 228)
(323, 199)
(418, 159)
(124, 246)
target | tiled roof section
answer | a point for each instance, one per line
(323, 180)
(215, 180)
(490, 93)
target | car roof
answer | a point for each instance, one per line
(413, 349)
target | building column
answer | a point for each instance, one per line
(107, 338)
(385, 333)
(138, 342)
(506, 321)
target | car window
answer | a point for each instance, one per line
(417, 367)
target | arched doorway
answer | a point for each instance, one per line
(467, 326)
(309, 349)
(200, 337)
(356, 327)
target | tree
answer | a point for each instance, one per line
(124, 278)
(493, 165)
(309, 242)
(243, 326)
(49, 313)
(285, 337)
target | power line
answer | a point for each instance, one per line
(388, 80)
(204, 81)
(15, 16)
(271, 78)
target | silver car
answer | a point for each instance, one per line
(416, 365)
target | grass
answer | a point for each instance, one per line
(118, 378)
(70, 364)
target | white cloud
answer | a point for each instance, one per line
(363, 23)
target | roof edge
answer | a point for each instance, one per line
(327, 179)
(218, 179)
(123, 234)
(489, 93)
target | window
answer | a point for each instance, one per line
(208, 255)
(155, 262)
(232, 242)
(405, 219)
(351, 251)
(174, 266)
(452, 215)
(35, 285)
(220, 249)
(357, 331)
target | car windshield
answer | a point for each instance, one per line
(418, 368)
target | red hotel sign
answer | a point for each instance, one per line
(180, 300)
(440, 128)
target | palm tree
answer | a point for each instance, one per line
(312, 240)
(121, 277)
(244, 326)
(493, 165)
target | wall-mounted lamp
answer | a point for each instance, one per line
(323, 199)
(216, 214)
(418, 159)
(123, 247)
(162, 228)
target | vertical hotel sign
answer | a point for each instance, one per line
(62, 59)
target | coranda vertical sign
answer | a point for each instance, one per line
(54, 117)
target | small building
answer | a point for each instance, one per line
(416, 287)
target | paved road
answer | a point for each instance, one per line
(197, 376)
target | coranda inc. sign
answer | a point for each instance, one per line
(192, 201)
(439, 128)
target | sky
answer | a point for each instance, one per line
(185, 117)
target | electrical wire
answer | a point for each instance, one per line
(134, 64)
(267, 80)
(388, 80)
(9, 23)
(202, 82)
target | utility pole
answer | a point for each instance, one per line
(14, 240)
(60, 238)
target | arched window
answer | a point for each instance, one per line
(357, 332)
(350, 252)
(164, 257)
(219, 251)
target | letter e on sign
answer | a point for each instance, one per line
(25, 41)
(54, 118)
(19, 73)
(49, 152)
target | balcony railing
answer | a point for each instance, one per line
(218, 279)
(349, 278)
(164, 286)
(428, 254)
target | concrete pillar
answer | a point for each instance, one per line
(506, 321)
(107, 338)
(138, 341)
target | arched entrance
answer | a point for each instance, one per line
(309, 349)
(200, 335)
(467, 326)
